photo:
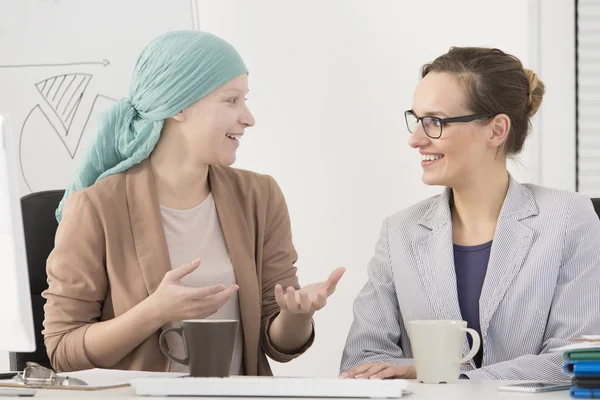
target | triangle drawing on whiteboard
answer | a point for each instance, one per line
(63, 94)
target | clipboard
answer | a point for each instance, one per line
(35, 376)
(8, 384)
(588, 338)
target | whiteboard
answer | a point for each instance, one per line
(64, 61)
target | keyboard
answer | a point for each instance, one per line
(246, 386)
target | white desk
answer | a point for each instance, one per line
(463, 390)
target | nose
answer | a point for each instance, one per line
(418, 138)
(247, 118)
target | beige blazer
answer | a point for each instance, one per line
(111, 253)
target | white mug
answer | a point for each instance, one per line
(437, 348)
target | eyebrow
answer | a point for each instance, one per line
(237, 90)
(433, 112)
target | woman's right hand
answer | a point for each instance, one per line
(174, 302)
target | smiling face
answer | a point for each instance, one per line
(465, 149)
(212, 127)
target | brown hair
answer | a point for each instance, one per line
(494, 83)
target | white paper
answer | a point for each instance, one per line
(577, 346)
(111, 377)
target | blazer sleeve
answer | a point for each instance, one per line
(575, 308)
(376, 330)
(278, 259)
(77, 284)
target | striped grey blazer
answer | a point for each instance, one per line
(542, 285)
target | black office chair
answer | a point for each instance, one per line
(39, 225)
(596, 203)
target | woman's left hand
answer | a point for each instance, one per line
(380, 370)
(310, 298)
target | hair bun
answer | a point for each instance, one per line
(536, 92)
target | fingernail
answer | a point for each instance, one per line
(343, 375)
(196, 261)
(359, 376)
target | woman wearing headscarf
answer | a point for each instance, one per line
(157, 228)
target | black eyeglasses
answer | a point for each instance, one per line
(433, 125)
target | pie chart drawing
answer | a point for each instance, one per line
(57, 130)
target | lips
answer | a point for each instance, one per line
(431, 157)
(234, 136)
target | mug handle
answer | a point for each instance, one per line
(474, 347)
(162, 341)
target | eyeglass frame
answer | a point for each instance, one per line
(443, 121)
(36, 375)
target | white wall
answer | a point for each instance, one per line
(556, 52)
(328, 84)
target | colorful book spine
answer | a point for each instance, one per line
(585, 393)
(584, 365)
(582, 368)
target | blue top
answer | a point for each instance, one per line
(470, 265)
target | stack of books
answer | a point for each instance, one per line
(582, 361)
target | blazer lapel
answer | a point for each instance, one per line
(512, 241)
(146, 225)
(435, 259)
(238, 236)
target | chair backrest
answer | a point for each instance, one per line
(596, 203)
(39, 226)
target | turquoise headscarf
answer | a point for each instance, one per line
(171, 73)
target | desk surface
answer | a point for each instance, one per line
(464, 390)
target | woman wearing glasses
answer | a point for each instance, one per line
(520, 263)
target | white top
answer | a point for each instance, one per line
(197, 233)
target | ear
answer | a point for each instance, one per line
(499, 128)
(179, 117)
